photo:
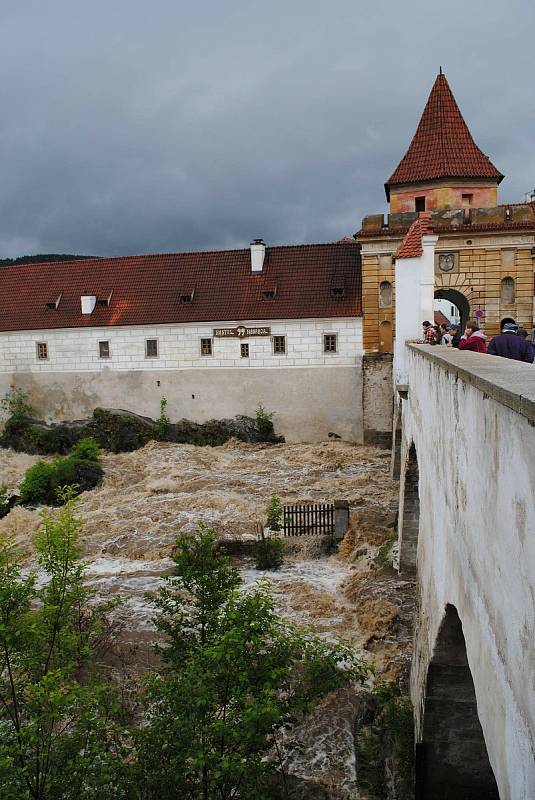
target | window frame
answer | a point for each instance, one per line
(206, 339)
(107, 342)
(244, 346)
(37, 351)
(329, 351)
(282, 337)
(152, 355)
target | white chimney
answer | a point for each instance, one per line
(89, 302)
(258, 252)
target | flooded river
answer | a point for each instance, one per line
(150, 496)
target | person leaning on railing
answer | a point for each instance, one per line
(473, 338)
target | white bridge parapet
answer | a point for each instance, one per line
(467, 528)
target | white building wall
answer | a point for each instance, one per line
(311, 393)
(179, 347)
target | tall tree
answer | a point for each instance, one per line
(59, 737)
(234, 675)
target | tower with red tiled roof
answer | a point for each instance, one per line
(443, 167)
(484, 258)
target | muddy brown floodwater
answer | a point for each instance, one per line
(150, 496)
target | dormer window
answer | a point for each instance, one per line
(186, 297)
(53, 303)
(269, 294)
(104, 302)
(338, 286)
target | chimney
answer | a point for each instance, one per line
(258, 252)
(89, 302)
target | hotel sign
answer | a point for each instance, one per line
(241, 332)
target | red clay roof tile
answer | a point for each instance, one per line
(146, 289)
(411, 246)
(442, 146)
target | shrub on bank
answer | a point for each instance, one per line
(269, 553)
(80, 470)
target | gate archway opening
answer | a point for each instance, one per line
(445, 299)
(452, 760)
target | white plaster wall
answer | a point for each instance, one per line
(311, 393)
(179, 347)
(408, 322)
(415, 287)
(476, 550)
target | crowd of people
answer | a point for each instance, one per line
(512, 342)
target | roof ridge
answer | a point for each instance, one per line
(99, 259)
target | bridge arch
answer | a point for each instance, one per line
(451, 758)
(409, 517)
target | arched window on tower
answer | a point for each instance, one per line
(507, 295)
(385, 294)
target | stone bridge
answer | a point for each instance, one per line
(467, 529)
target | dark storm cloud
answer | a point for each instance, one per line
(137, 127)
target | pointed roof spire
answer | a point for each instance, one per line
(442, 146)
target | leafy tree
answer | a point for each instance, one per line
(59, 737)
(234, 675)
(274, 513)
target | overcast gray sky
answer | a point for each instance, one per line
(130, 126)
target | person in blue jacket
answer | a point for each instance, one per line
(509, 345)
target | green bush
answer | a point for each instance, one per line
(86, 449)
(36, 482)
(163, 422)
(264, 422)
(15, 404)
(274, 514)
(269, 553)
(80, 470)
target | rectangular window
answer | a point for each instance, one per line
(244, 349)
(329, 343)
(206, 347)
(419, 203)
(279, 344)
(151, 348)
(104, 349)
(467, 200)
(42, 351)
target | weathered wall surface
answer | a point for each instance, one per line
(309, 403)
(471, 419)
(377, 399)
(312, 393)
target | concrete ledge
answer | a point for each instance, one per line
(511, 383)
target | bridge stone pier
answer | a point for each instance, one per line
(467, 530)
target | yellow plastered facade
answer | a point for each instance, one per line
(481, 271)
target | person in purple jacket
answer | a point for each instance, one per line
(509, 345)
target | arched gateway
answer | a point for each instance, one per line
(457, 299)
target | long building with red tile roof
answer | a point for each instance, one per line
(296, 282)
(216, 333)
